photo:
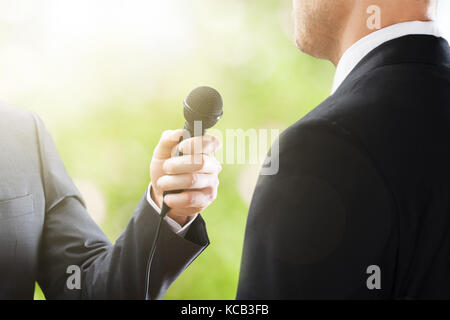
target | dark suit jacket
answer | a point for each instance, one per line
(44, 228)
(364, 181)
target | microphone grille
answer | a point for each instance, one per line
(205, 101)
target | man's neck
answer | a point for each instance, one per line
(357, 26)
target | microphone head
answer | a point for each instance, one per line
(203, 104)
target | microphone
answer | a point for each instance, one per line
(203, 105)
(202, 110)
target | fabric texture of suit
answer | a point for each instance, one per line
(364, 181)
(45, 228)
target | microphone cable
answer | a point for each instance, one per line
(152, 251)
(164, 210)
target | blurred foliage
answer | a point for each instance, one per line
(106, 102)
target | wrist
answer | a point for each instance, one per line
(181, 220)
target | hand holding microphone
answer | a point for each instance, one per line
(189, 181)
(194, 173)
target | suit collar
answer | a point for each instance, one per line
(415, 49)
(362, 47)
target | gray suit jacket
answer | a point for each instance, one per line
(45, 228)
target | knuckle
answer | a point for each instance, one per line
(210, 194)
(193, 180)
(216, 182)
(174, 151)
(167, 200)
(159, 184)
(214, 143)
(184, 146)
(219, 144)
(199, 209)
(207, 140)
(203, 159)
(215, 140)
(190, 198)
(217, 165)
(165, 134)
(167, 166)
(199, 162)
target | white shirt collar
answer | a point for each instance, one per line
(362, 47)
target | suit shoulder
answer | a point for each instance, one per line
(375, 105)
(313, 125)
(14, 117)
(17, 124)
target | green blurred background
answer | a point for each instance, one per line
(109, 76)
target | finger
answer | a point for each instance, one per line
(186, 211)
(169, 139)
(191, 199)
(199, 163)
(187, 181)
(203, 144)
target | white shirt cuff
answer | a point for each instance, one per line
(174, 226)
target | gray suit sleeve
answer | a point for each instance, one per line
(71, 238)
